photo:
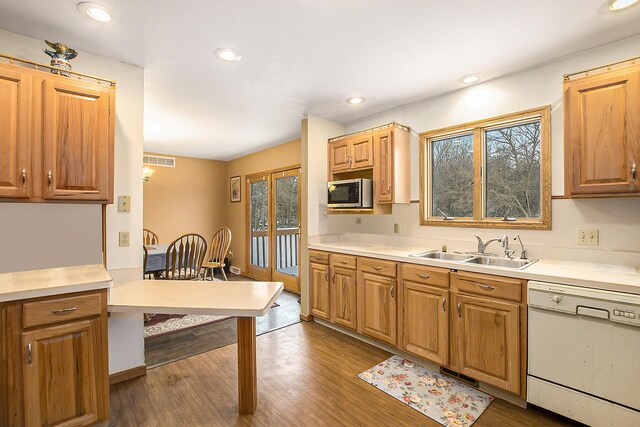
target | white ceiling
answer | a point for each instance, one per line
(306, 57)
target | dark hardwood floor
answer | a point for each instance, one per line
(181, 344)
(307, 375)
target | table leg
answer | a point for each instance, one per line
(247, 378)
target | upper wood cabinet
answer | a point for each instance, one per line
(391, 174)
(351, 153)
(602, 133)
(59, 142)
(15, 132)
(78, 147)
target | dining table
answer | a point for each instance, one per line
(244, 300)
(156, 257)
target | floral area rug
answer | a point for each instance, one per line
(443, 399)
(177, 323)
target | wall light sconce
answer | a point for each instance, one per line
(146, 174)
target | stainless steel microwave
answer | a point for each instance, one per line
(350, 193)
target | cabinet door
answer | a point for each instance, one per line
(379, 307)
(339, 156)
(602, 133)
(77, 141)
(15, 133)
(319, 287)
(426, 322)
(488, 341)
(343, 297)
(383, 178)
(62, 374)
(361, 151)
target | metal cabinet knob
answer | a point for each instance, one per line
(23, 177)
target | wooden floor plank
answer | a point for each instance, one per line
(307, 375)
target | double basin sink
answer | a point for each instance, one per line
(516, 264)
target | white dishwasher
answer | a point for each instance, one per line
(584, 353)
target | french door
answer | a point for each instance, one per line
(273, 227)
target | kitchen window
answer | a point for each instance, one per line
(489, 173)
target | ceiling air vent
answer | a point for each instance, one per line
(168, 162)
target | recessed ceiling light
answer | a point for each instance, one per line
(621, 4)
(356, 100)
(469, 79)
(227, 54)
(95, 11)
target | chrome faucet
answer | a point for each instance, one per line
(505, 244)
(523, 251)
(483, 245)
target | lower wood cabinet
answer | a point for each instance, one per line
(54, 354)
(378, 307)
(426, 321)
(319, 288)
(344, 297)
(487, 341)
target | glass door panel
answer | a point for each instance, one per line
(286, 189)
(258, 213)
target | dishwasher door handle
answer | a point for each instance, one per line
(593, 312)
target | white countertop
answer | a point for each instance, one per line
(242, 299)
(599, 276)
(52, 281)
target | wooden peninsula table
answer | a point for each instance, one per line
(245, 300)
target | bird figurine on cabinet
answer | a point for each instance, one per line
(60, 57)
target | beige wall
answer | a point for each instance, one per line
(283, 155)
(190, 198)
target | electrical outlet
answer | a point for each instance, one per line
(358, 220)
(396, 228)
(124, 204)
(588, 237)
(124, 239)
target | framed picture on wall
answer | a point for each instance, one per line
(234, 191)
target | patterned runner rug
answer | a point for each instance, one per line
(179, 323)
(443, 399)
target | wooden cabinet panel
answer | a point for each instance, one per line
(361, 151)
(602, 133)
(378, 307)
(434, 276)
(383, 172)
(425, 321)
(378, 266)
(488, 341)
(343, 297)
(487, 285)
(339, 156)
(344, 261)
(318, 257)
(48, 311)
(319, 288)
(15, 133)
(61, 375)
(78, 154)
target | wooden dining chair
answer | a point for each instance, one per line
(218, 251)
(184, 258)
(149, 237)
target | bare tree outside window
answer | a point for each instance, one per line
(452, 176)
(513, 171)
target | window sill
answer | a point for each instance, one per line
(524, 224)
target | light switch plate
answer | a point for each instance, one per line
(588, 237)
(124, 239)
(396, 228)
(124, 203)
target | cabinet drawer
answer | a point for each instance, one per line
(486, 285)
(345, 261)
(318, 257)
(378, 266)
(427, 275)
(57, 310)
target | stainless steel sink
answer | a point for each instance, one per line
(501, 262)
(445, 256)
